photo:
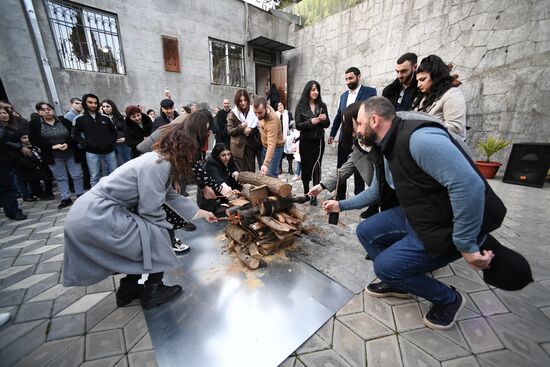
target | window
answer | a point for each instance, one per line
(171, 54)
(227, 63)
(85, 38)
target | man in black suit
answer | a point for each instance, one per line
(356, 92)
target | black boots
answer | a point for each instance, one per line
(155, 294)
(128, 291)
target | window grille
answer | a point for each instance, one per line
(264, 57)
(85, 38)
(227, 63)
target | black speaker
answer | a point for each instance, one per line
(528, 164)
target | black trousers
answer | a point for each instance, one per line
(343, 154)
(8, 193)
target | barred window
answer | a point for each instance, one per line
(85, 38)
(227, 63)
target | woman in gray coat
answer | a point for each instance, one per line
(120, 226)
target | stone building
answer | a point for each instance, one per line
(500, 49)
(202, 51)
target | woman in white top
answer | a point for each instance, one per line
(439, 97)
(286, 119)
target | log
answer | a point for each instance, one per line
(237, 234)
(275, 245)
(276, 225)
(239, 202)
(279, 217)
(273, 204)
(273, 184)
(254, 194)
(253, 251)
(296, 213)
(247, 260)
(289, 219)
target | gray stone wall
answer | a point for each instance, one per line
(141, 27)
(500, 49)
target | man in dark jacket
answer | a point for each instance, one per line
(8, 193)
(97, 135)
(355, 93)
(167, 113)
(221, 124)
(446, 209)
(403, 91)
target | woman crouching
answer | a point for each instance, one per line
(120, 225)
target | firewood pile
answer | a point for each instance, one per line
(264, 220)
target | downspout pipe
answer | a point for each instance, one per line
(44, 63)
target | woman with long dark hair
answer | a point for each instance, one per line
(122, 150)
(439, 97)
(311, 119)
(221, 167)
(127, 206)
(242, 127)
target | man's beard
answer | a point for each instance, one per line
(353, 85)
(408, 79)
(369, 139)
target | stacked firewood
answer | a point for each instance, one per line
(264, 220)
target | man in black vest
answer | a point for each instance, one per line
(446, 210)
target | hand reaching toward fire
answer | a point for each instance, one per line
(211, 218)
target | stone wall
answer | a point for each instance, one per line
(141, 27)
(500, 49)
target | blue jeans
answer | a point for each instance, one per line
(94, 165)
(123, 153)
(298, 171)
(400, 258)
(59, 169)
(273, 169)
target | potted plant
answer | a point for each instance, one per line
(488, 148)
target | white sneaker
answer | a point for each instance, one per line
(179, 247)
(4, 317)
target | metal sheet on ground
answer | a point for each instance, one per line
(336, 252)
(229, 316)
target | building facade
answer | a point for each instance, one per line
(130, 52)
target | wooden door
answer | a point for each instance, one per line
(278, 77)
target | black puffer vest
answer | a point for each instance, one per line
(425, 201)
(388, 198)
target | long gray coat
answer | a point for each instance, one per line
(120, 226)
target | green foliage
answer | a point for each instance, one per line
(314, 10)
(491, 145)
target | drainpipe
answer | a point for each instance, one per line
(44, 63)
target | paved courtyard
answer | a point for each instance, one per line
(81, 326)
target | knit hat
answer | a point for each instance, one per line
(509, 270)
(166, 103)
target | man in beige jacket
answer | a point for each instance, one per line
(271, 135)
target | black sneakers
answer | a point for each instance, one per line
(65, 203)
(381, 290)
(443, 317)
(18, 216)
(155, 294)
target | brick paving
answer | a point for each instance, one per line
(52, 325)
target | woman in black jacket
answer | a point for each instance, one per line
(221, 167)
(137, 126)
(311, 120)
(52, 134)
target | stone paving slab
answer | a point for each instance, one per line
(67, 326)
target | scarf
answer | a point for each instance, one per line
(250, 118)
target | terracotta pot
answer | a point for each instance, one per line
(488, 169)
